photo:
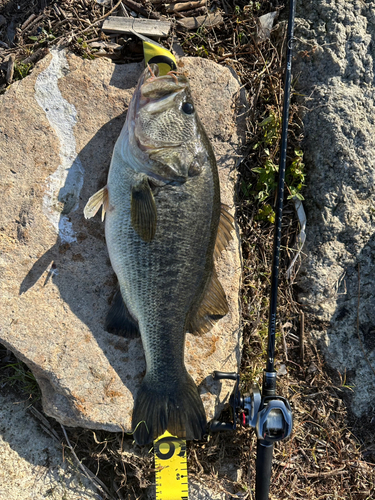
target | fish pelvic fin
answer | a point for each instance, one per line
(97, 200)
(226, 226)
(143, 210)
(213, 306)
(119, 321)
(177, 409)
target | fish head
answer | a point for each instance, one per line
(165, 134)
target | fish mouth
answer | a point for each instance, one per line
(156, 91)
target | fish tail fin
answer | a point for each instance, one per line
(177, 409)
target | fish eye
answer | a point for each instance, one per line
(188, 108)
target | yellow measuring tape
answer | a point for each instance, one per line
(171, 468)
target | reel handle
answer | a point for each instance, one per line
(224, 375)
(216, 426)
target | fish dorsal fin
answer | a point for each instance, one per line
(224, 231)
(119, 321)
(213, 307)
(97, 200)
(143, 210)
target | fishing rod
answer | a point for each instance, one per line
(269, 414)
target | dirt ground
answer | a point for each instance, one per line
(330, 455)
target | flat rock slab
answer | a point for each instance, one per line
(57, 132)
(335, 67)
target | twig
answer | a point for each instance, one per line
(192, 13)
(98, 20)
(359, 337)
(36, 56)
(302, 337)
(177, 7)
(34, 21)
(284, 343)
(93, 25)
(28, 21)
(90, 476)
(137, 7)
(266, 68)
(326, 474)
(124, 12)
(10, 70)
(45, 424)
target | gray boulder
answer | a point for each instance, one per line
(335, 70)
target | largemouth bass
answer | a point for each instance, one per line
(164, 224)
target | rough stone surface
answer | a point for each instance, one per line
(31, 463)
(335, 67)
(57, 132)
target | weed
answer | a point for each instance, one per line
(21, 70)
(295, 176)
(43, 36)
(20, 375)
(267, 181)
(266, 213)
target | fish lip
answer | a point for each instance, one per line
(177, 86)
(151, 73)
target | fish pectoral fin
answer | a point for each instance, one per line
(119, 321)
(97, 200)
(213, 307)
(143, 210)
(226, 226)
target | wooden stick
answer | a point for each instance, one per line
(191, 23)
(137, 7)
(28, 21)
(146, 27)
(10, 70)
(178, 7)
(35, 56)
(34, 21)
(192, 13)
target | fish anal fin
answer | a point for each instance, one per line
(214, 306)
(97, 200)
(143, 210)
(224, 232)
(119, 321)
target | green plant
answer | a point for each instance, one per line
(20, 375)
(43, 36)
(267, 180)
(268, 172)
(270, 130)
(21, 70)
(202, 51)
(295, 175)
(266, 213)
